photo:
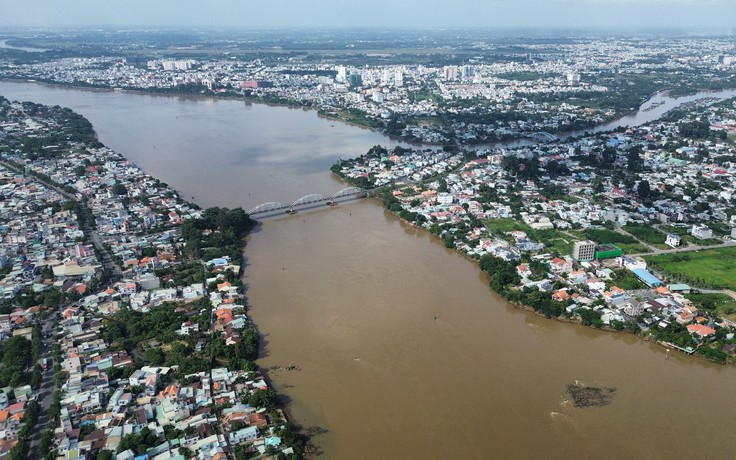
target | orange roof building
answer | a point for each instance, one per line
(701, 330)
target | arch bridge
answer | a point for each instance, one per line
(350, 191)
(267, 207)
(543, 136)
(306, 200)
(311, 200)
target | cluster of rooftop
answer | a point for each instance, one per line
(573, 85)
(152, 353)
(572, 222)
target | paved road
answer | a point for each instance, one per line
(686, 249)
(46, 391)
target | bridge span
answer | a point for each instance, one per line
(308, 201)
(543, 136)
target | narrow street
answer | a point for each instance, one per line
(46, 391)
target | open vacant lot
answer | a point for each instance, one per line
(710, 268)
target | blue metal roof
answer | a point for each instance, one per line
(647, 277)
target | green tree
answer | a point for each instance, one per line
(643, 190)
(104, 455)
(119, 189)
(634, 161)
(263, 398)
(155, 356)
(46, 437)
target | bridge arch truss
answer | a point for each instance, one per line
(307, 199)
(349, 191)
(544, 136)
(267, 207)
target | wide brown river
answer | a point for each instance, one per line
(404, 350)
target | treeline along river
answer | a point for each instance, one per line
(404, 350)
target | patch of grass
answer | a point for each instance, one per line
(562, 244)
(425, 121)
(719, 228)
(682, 231)
(424, 95)
(635, 248)
(646, 234)
(709, 268)
(708, 242)
(501, 226)
(628, 244)
(601, 236)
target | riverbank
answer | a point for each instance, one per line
(577, 320)
(394, 279)
(504, 278)
(176, 293)
(361, 122)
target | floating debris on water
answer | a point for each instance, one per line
(585, 396)
(290, 367)
(315, 430)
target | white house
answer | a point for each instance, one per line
(188, 327)
(702, 231)
(673, 239)
(246, 434)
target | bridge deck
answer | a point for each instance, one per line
(275, 208)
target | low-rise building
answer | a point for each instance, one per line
(673, 239)
(701, 232)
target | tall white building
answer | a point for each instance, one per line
(450, 72)
(466, 72)
(399, 78)
(584, 250)
(342, 74)
(385, 77)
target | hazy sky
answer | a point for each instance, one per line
(719, 14)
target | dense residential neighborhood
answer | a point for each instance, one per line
(119, 319)
(588, 223)
(124, 323)
(469, 100)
